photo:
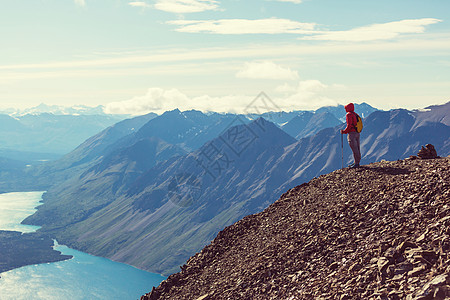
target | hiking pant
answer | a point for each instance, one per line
(353, 141)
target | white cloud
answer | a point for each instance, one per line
(80, 2)
(306, 89)
(436, 46)
(292, 1)
(307, 94)
(373, 32)
(285, 88)
(159, 100)
(139, 4)
(266, 70)
(310, 86)
(156, 100)
(244, 26)
(186, 6)
(310, 31)
(179, 6)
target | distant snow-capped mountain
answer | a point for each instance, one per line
(56, 110)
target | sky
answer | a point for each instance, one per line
(134, 57)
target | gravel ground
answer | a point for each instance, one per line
(376, 232)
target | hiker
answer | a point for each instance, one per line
(353, 135)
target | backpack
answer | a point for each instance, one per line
(359, 123)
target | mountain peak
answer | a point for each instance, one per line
(74, 110)
(259, 132)
(350, 234)
(175, 111)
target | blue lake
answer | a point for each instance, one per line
(83, 277)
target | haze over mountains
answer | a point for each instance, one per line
(48, 132)
(43, 108)
(152, 191)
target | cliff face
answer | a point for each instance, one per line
(380, 231)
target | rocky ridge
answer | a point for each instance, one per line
(377, 232)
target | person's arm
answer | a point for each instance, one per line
(348, 119)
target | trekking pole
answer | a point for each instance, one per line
(342, 149)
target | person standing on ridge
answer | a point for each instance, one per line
(353, 135)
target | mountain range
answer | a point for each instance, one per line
(43, 108)
(47, 134)
(189, 130)
(154, 195)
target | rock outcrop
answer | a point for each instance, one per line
(377, 232)
(427, 152)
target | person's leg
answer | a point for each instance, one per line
(353, 142)
(357, 161)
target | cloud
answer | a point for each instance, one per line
(266, 70)
(244, 26)
(292, 1)
(160, 100)
(373, 32)
(139, 4)
(306, 88)
(186, 6)
(436, 45)
(155, 100)
(285, 88)
(80, 2)
(307, 94)
(179, 6)
(383, 31)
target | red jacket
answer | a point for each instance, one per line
(350, 117)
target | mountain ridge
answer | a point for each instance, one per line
(376, 231)
(155, 208)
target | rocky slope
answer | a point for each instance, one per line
(377, 232)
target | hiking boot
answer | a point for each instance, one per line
(355, 166)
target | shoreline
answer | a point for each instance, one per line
(22, 249)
